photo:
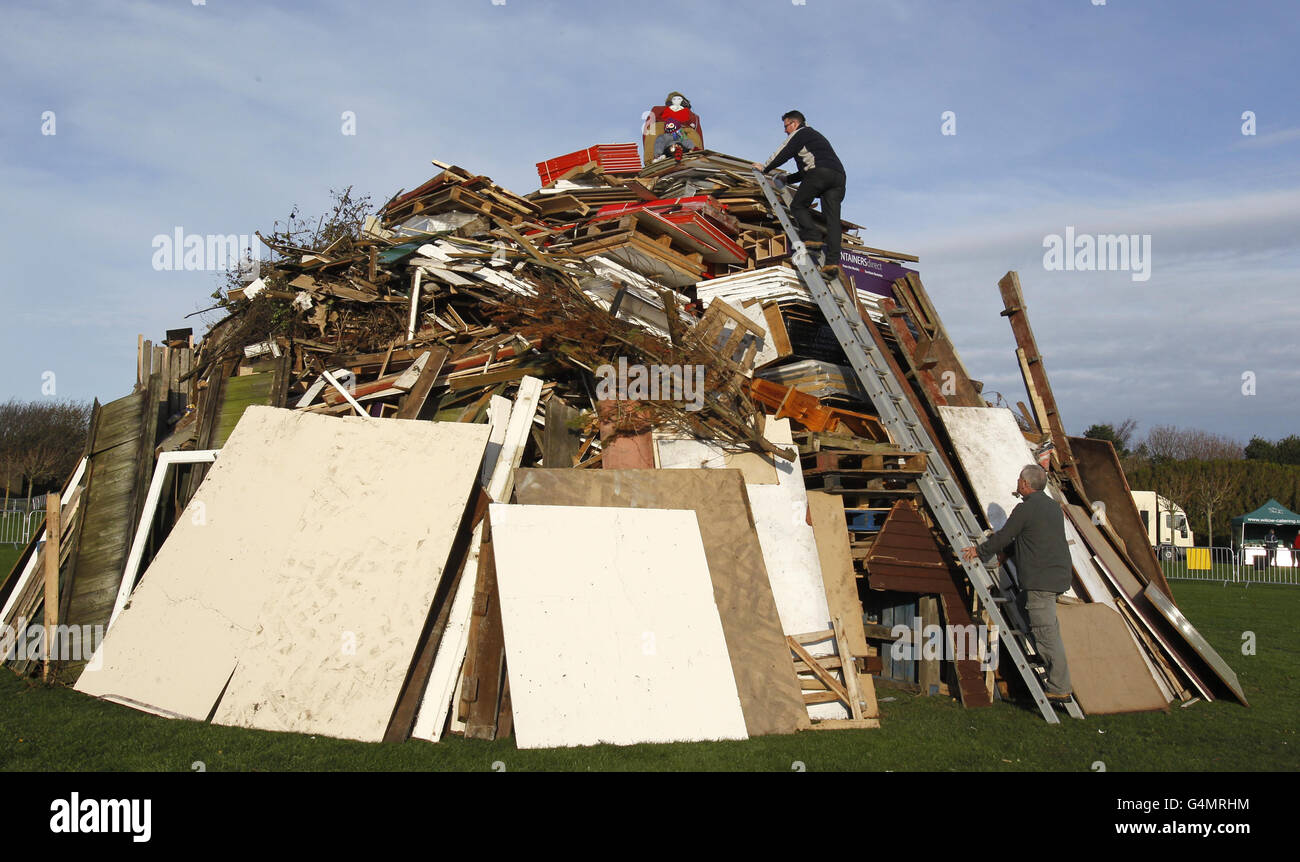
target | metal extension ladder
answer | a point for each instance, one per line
(941, 490)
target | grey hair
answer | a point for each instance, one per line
(1034, 476)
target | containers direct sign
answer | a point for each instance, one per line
(867, 273)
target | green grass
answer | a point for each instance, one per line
(8, 556)
(53, 728)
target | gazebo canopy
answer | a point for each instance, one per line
(1272, 513)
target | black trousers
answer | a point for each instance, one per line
(828, 185)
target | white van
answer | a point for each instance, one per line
(1166, 526)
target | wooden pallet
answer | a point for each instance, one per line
(894, 463)
(864, 482)
(857, 693)
(872, 499)
(839, 441)
(730, 334)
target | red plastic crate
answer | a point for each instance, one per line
(612, 158)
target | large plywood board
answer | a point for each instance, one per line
(1106, 669)
(612, 634)
(832, 536)
(765, 679)
(789, 546)
(280, 580)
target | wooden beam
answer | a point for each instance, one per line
(485, 660)
(413, 401)
(53, 533)
(1036, 403)
(928, 669)
(1013, 301)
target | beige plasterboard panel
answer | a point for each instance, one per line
(611, 630)
(786, 537)
(283, 573)
(760, 660)
(831, 532)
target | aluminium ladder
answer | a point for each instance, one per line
(897, 414)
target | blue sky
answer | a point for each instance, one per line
(1116, 118)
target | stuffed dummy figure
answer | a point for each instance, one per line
(673, 142)
(676, 109)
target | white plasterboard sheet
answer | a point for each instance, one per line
(274, 572)
(993, 451)
(789, 547)
(352, 591)
(611, 630)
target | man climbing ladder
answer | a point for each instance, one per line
(820, 174)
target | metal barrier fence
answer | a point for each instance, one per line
(1269, 566)
(1250, 566)
(16, 528)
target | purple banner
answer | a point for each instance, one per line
(867, 273)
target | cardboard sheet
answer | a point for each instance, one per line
(611, 630)
(1106, 669)
(765, 679)
(281, 578)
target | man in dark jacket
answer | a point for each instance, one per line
(819, 174)
(1042, 557)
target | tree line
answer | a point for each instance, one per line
(40, 444)
(1214, 478)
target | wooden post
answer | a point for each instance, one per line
(1041, 395)
(53, 530)
(928, 670)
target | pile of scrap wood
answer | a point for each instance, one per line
(642, 497)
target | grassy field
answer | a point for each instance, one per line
(51, 728)
(8, 556)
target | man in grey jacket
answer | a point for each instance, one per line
(1042, 556)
